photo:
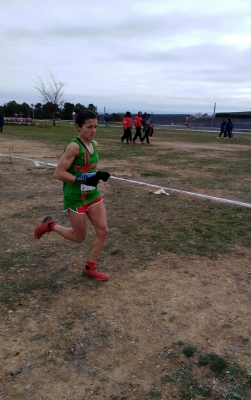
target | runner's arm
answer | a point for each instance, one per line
(65, 162)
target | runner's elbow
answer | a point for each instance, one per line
(56, 175)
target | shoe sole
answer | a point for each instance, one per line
(84, 275)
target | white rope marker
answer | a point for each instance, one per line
(161, 191)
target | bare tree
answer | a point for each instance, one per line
(51, 92)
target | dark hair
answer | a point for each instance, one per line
(140, 112)
(83, 115)
(128, 114)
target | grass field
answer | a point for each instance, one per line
(174, 319)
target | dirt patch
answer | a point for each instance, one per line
(64, 337)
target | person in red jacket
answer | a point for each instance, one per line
(127, 125)
(138, 126)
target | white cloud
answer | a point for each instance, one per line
(159, 56)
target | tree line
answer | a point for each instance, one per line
(41, 111)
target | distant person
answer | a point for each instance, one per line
(1, 123)
(107, 120)
(138, 126)
(127, 125)
(229, 132)
(143, 123)
(143, 118)
(223, 129)
(151, 130)
(74, 114)
(187, 121)
(232, 131)
(146, 128)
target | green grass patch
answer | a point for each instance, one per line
(219, 378)
(189, 351)
(153, 393)
(169, 224)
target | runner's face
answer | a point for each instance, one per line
(88, 130)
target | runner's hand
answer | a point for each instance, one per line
(104, 176)
(88, 180)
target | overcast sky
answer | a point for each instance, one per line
(151, 55)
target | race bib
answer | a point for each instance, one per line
(85, 188)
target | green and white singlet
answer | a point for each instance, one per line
(75, 195)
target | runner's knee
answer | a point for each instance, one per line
(79, 238)
(102, 232)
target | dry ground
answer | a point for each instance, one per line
(71, 338)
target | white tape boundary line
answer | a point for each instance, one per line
(204, 196)
(36, 162)
(188, 193)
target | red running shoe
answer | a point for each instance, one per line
(45, 227)
(92, 272)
